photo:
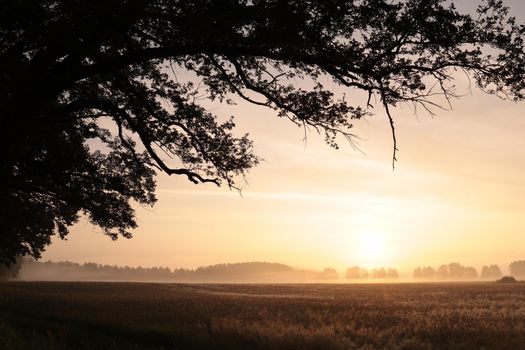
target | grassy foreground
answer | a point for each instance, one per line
(75, 315)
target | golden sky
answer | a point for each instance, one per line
(457, 194)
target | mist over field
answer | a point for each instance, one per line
(248, 272)
(257, 272)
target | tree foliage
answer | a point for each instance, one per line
(10, 271)
(452, 271)
(92, 105)
(492, 272)
(357, 272)
(517, 269)
(424, 273)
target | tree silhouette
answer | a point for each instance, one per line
(495, 271)
(423, 273)
(456, 271)
(452, 271)
(470, 273)
(379, 273)
(328, 273)
(442, 272)
(92, 105)
(485, 272)
(11, 271)
(490, 272)
(517, 268)
(392, 273)
(353, 273)
(428, 272)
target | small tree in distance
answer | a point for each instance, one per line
(485, 272)
(426, 273)
(327, 274)
(378, 273)
(353, 273)
(442, 272)
(357, 272)
(517, 269)
(11, 271)
(491, 272)
(495, 271)
(392, 273)
(458, 272)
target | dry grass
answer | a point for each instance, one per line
(174, 316)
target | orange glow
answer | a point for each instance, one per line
(456, 195)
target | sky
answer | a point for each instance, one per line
(456, 195)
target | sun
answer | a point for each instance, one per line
(371, 247)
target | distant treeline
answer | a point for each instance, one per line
(28, 269)
(357, 272)
(517, 269)
(237, 272)
(456, 271)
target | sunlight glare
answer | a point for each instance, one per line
(372, 247)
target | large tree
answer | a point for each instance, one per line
(92, 104)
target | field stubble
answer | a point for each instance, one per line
(56, 315)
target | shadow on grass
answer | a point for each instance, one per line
(20, 330)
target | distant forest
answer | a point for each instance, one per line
(456, 271)
(238, 272)
(29, 269)
(247, 272)
(357, 272)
